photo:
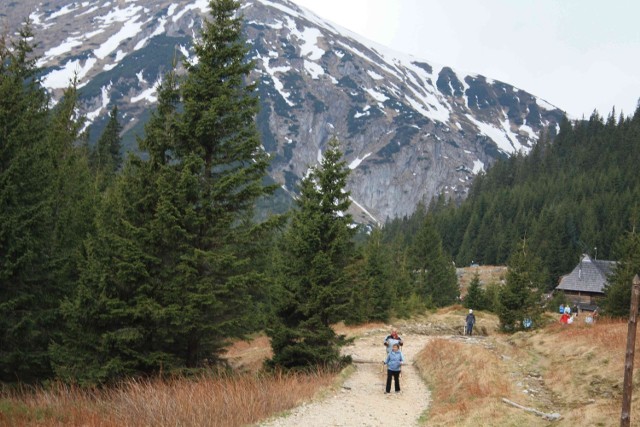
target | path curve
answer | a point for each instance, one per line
(361, 400)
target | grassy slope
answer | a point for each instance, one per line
(575, 370)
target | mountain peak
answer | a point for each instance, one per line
(410, 129)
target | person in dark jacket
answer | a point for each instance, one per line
(391, 340)
(394, 362)
(471, 320)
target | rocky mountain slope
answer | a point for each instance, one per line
(409, 128)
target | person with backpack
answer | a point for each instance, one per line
(392, 339)
(394, 362)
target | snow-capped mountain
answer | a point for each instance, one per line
(409, 128)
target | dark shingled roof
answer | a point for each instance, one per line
(588, 276)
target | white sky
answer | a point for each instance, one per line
(579, 55)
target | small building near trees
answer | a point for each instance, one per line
(584, 286)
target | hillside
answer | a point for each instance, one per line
(410, 128)
(486, 273)
(574, 194)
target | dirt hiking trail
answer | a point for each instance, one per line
(361, 400)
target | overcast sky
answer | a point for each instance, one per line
(579, 55)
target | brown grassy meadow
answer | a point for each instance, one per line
(232, 400)
(574, 370)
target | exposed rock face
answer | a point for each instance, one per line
(409, 129)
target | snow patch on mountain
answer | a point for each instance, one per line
(499, 136)
(378, 96)
(356, 162)
(362, 208)
(61, 77)
(130, 29)
(67, 46)
(148, 94)
(185, 52)
(374, 75)
(203, 5)
(309, 41)
(478, 167)
(160, 29)
(518, 147)
(529, 131)
(63, 11)
(35, 16)
(315, 70)
(88, 11)
(276, 81)
(92, 115)
(117, 14)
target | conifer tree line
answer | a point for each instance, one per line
(114, 266)
(576, 194)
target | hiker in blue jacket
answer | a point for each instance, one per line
(394, 362)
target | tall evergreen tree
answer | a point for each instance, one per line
(377, 272)
(107, 154)
(475, 297)
(618, 290)
(73, 197)
(314, 252)
(435, 275)
(370, 272)
(46, 208)
(25, 209)
(520, 297)
(218, 132)
(171, 275)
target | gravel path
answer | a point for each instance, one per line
(361, 400)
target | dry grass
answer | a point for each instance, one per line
(351, 331)
(249, 355)
(229, 400)
(451, 320)
(584, 368)
(575, 370)
(233, 400)
(467, 382)
(486, 273)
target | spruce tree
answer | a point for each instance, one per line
(106, 157)
(312, 291)
(435, 275)
(73, 195)
(218, 136)
(475, 297)
(25, 212)
(520, 297)
(618, 290)
(170, 275)
(46, 211)
(377, 270)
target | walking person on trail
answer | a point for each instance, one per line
(471, 320)
(391, 340)
(394, 362)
